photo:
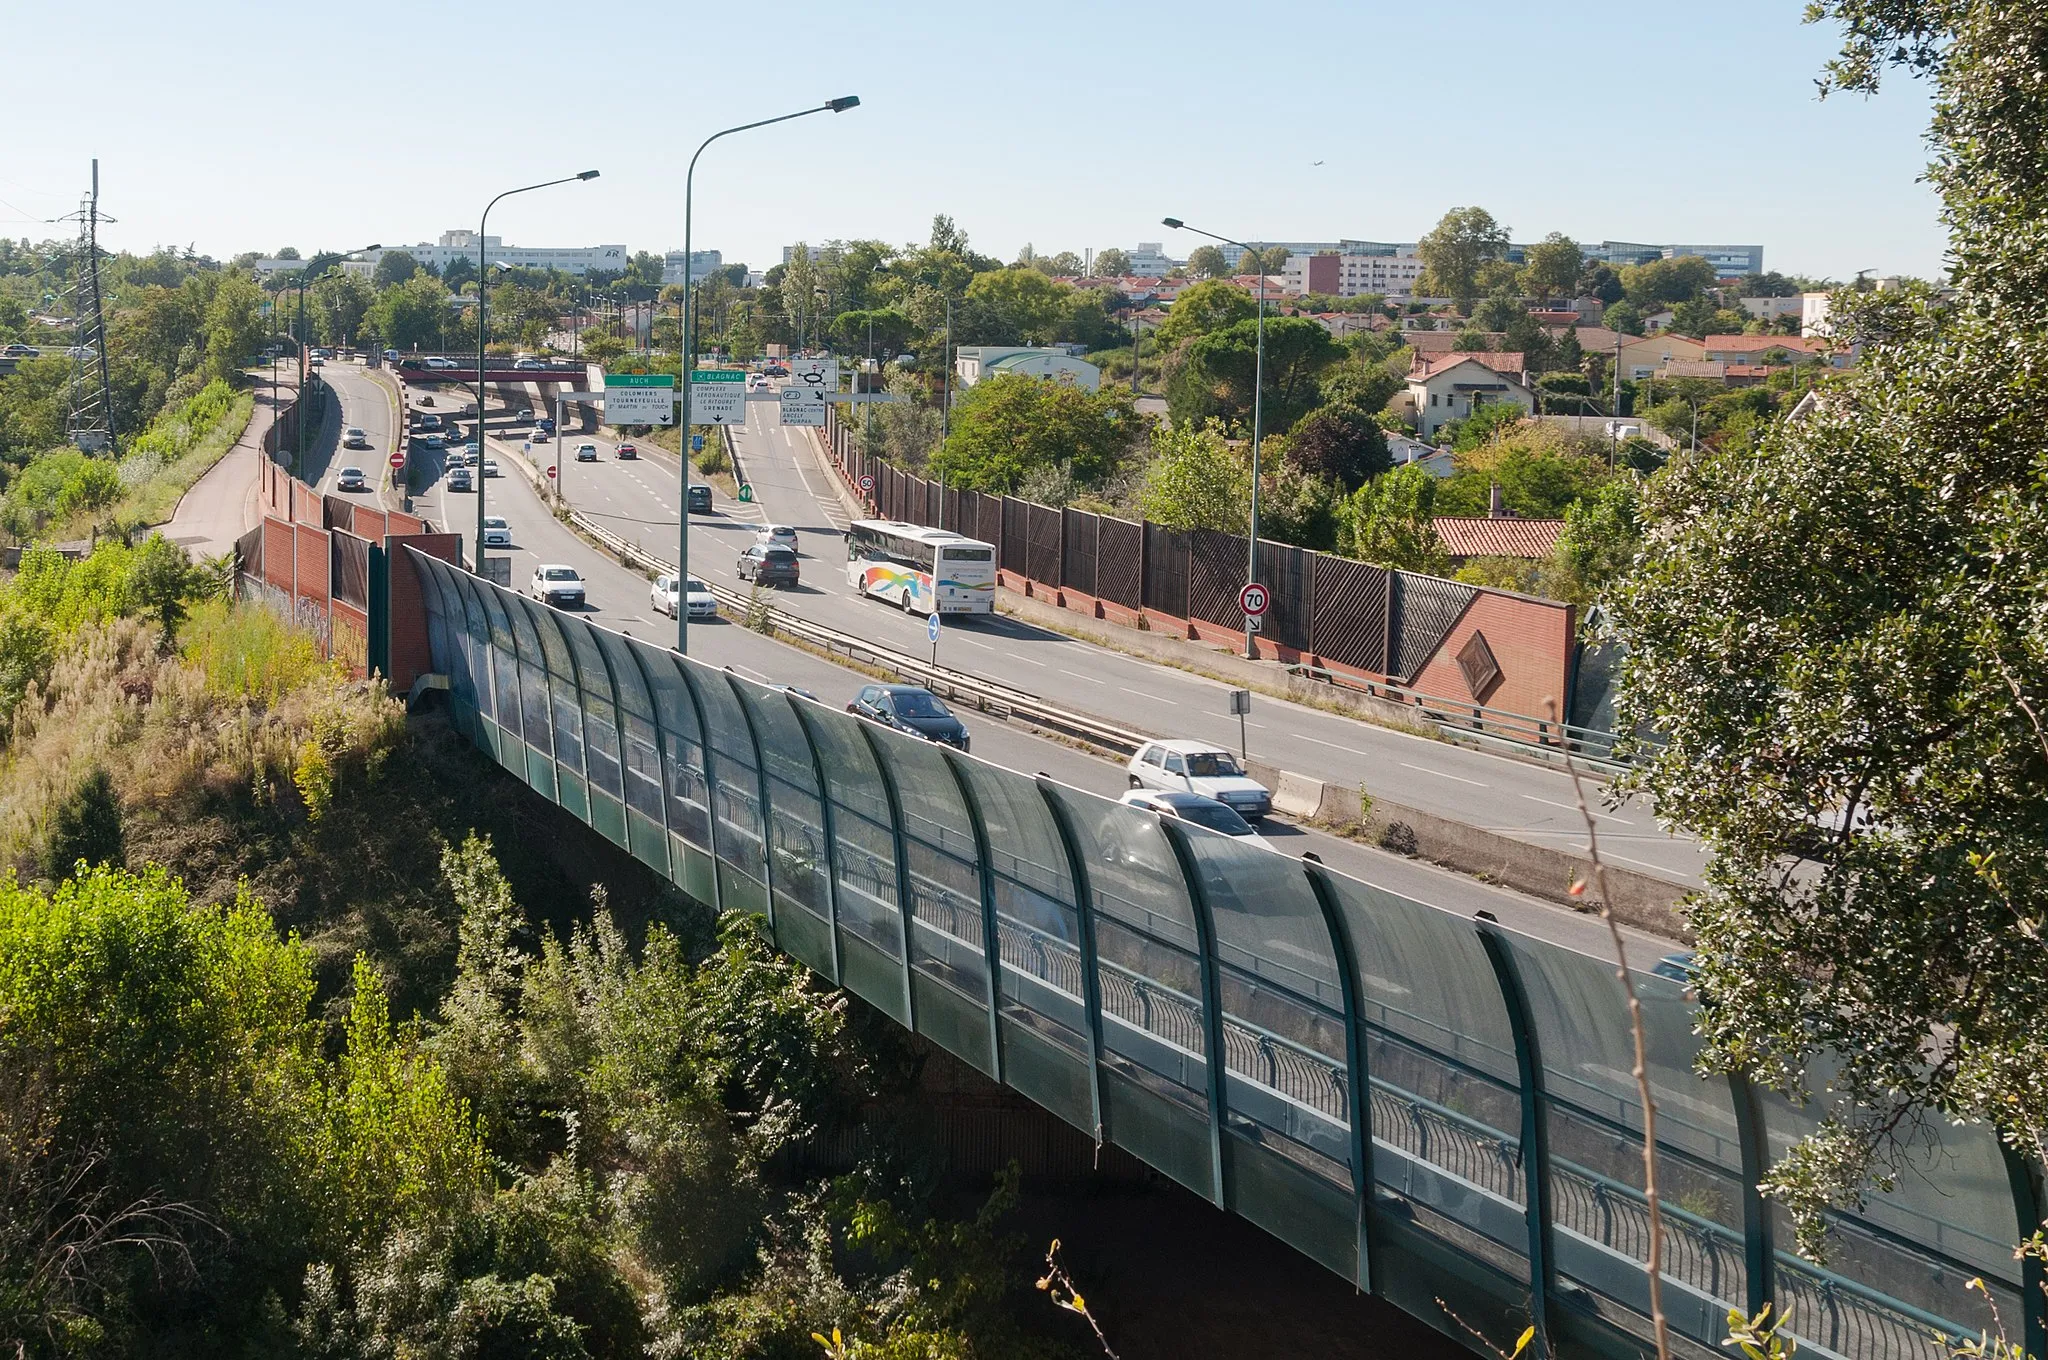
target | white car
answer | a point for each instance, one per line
(1185, 766)
(528, 364)
(703, 604)
(556, 584)
(497, 533)
(436, 361)
(777, 536)
(353, 438)
(1201, 811)
(490, 467)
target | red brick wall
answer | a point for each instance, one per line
(277, 553)
(349, 640)
(1531, 640)
(313, 562)
(411, 654)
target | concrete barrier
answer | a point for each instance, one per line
(1641, 900)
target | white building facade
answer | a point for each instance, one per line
(703, 264)
(462, 245)
(972, 363)
(1348, 274)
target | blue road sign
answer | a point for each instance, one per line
(931, 626)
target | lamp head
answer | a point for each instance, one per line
(843, 103)
(1173, 222)
(367, 248)
(588, 174)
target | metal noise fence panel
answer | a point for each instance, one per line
(1349, 619)
(1425, 608)
(1216, 565)
(1285, 572)
(1042, 562)
(338, 513)
(1166, 570)
(351, 569)
(1082, 530)
(1119, 562)
(1016, 536)
(249, 552)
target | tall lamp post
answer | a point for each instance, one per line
(483, 288)
(1251, 571)
(689, 359)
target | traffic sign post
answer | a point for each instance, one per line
(746, 493)
(640, 398)
(867, 490)
(803, 406)
(1241, 704)
(931, 628)
(397, 462)
(1253, 600)
(718, 396)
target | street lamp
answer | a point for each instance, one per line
(689, 358)
(1251, 646)
(483, 288)
(308, 275)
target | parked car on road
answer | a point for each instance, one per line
(497, 533)
(626, 451)
(768, 565)
(459, 480)
(556, 584)
(910, 708)
(350, 479)
(1198, 809)
(1199, 767)
(353, 438)
(700, 498)
(586, 453)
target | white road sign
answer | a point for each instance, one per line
(718, 396)
(821, 375)
(639, 399)
(803, 406)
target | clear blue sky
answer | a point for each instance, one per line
(1062, 125)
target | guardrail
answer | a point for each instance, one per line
(1466, 721)
(984, 696)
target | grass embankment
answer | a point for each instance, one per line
(712, 465)
(64, 494)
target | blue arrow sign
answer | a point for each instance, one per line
(931, 626)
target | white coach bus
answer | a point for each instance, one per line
(923, 570)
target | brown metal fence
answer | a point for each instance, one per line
(1353, 614)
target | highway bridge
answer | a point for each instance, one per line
(1437, 1107)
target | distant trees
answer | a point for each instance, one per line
(1657, 284)
(1113, 263)
(1339, 441)
(1390, 520)
(411, 314)
(1207, 262)
(1208, 306)
(1453, 253)
(1195, 480)
(393, 267)
(1007, 426)
(1217, 374)
(1552, 267)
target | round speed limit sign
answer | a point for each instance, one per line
(867, 484)
(1253, 599)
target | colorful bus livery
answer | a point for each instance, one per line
(922, 570)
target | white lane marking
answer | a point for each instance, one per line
(1348, 750)
(750, 671)
(1143, 695)
(1609, 854)
(1078, 676)
(1424, 769)
(983, 645)
(1026, 658)
(1256, 727)
(1573, 807)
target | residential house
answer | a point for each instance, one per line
(1751, 349)
(1771, 308)
(1714, 370)
(1443, 342)
(1341, 324)
(1497, 535)
(972, 363)
(1447, 387)
(1431, 459)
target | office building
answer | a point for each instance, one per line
(703, 264)
(462, 245)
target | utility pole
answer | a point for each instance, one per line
(946, 406)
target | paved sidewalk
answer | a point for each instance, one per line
(222, 505)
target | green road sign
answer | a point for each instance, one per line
(639, 398)
(639, 380)
(746, 492)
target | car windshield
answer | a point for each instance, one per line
(494, 522)
(918, 703)
(559, 574)
(1212, 765)
(779, 555)
(1216, 817)
(697, 587)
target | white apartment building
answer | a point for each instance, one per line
(462, 245)
(1348, 274)
(1149, 260)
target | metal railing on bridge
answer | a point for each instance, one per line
(1434, 1107)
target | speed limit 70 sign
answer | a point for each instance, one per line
(1253, 599)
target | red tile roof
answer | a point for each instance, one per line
(1511, 362)
(1757, 344)
(1506, 536)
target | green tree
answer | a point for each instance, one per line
(412, 314)
(338, 303)
(1623, 316)
(234, 326)
(1657, 284)
(1455, 250)
(1113, 263)
(1025, 300)
(1498, 312)
(1552, 266)
(1208, 306)
(162, 582)
(1842, 649)
(393, 268)
(85, 828)
(1602, 535)
(1195, 480)
(1364, 383)
(1341, 442)
(1207, 262)
(1391, 521)
(1220, 372)
(1009, 425)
